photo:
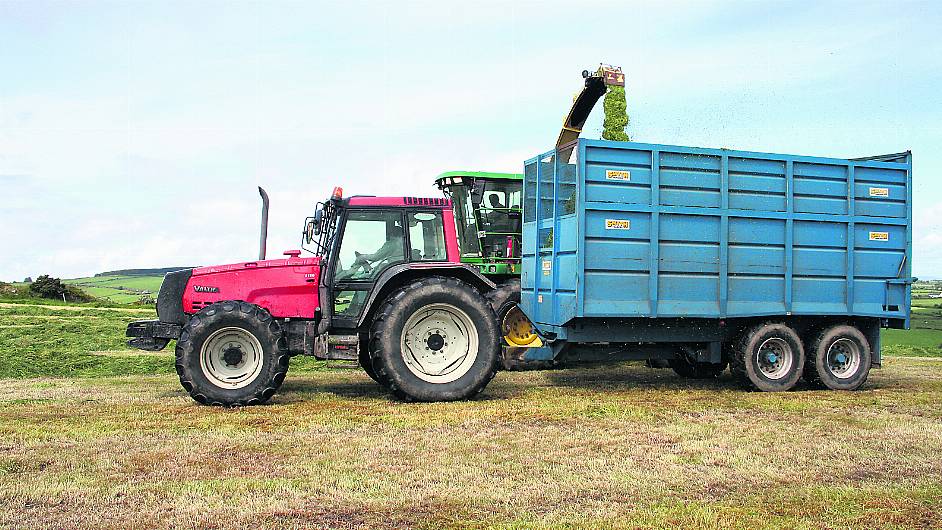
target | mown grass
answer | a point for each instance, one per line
(613, 446)
(95, 435)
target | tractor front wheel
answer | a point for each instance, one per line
(435, 340)
(231, 353)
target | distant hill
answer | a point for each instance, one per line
(123, 286)
(141, 272)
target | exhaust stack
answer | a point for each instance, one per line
(263, 237)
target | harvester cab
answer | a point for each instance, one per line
(488, 210)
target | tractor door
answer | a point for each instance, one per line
(371, 241)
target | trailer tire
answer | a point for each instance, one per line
(696, 370)
(231, 354)
(425, 315)
(840, 358)
(768, 357)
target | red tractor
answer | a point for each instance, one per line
(384, 285)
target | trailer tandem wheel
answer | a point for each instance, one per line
(688, 368)
(840, 358)
(768, 357)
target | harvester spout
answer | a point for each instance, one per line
(596, 84)
(263, 237)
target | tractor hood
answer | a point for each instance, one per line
(287, 288)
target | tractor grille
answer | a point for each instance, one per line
(200, 305)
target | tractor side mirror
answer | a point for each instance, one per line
(312, 228)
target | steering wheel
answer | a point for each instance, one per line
(362, 262)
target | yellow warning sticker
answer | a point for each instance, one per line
(617, 224)
(614, 174)
(879, 236)
(879, 192)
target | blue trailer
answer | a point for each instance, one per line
(780, 266)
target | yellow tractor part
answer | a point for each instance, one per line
(518, 331)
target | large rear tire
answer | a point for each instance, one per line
(435, 340)
(768, 357)
(840, 358)
(231, 353)
(367, 365)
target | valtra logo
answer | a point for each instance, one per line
(205, 289)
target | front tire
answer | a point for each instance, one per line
(435, 340)
(230, 354)
(769, 357)
(840, 358)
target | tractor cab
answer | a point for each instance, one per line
(488, 213)
(363, 240)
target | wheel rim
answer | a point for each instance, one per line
(231, 358)
(439, 343)
(518, 331)
(843, 358)
(775, 358)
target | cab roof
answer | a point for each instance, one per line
(434, 202)
(480, 174)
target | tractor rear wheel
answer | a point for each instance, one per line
(435, 340)
(768, 357)
(231, 353)
(366, 363)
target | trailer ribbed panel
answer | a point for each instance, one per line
(626, 229)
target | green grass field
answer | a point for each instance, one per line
(93, 434)
(925, 337)
(118, 288)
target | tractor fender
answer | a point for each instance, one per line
(398, 275)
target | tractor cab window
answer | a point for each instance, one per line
(372, 240)
(427, 236)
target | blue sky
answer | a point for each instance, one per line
(133, 134)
